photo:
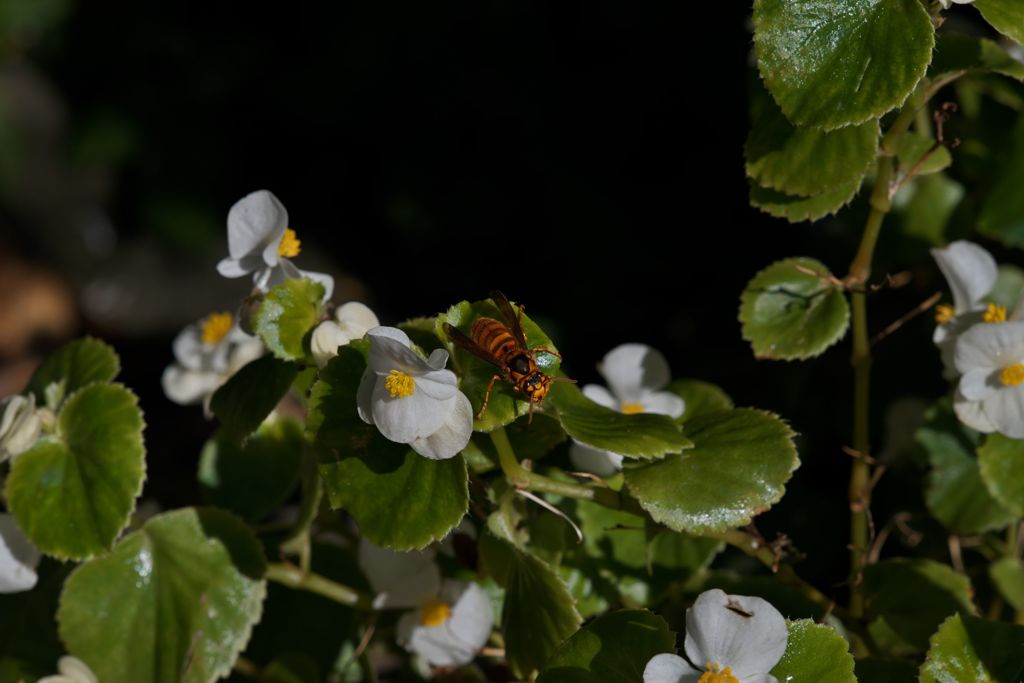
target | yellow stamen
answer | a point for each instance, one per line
(435, 613)
(944, 313)
(216, 326)
(399, 384)
(995, 314)
(631, 408)
(1012, 375)
(714, 674)
(290, 244)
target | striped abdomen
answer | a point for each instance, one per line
(495, 338)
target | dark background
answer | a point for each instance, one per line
(585, 158)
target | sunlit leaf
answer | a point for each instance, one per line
(815, 652)
(797, 209)
(970, 650)
(287, 315)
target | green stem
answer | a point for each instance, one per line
(522, 478)
(294, 577)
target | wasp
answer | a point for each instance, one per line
(503, 344)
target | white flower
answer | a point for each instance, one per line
(946, 3)
(412, 400)
(636, 374)
(448, 623)
(72, 670)
(20, 426)
(353, 321)
(207, 354)
(732, 638)
(971, 273)
(450, 629)
(18, 557)
(260, 242)
(990, 395)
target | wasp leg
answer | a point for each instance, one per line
(487, 396)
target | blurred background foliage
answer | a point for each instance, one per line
(585, 158)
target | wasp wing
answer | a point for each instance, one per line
(510, 316)
(464, 342)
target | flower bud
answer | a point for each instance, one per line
(327, 337)
(19, 426)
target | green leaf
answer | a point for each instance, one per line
(922, 155)
(504, 404)
(791, 311)
(613, 536)
(644, 435)
(245, 400)
(614, 648)
(971, 650)
(955, 493)
(253, 479)
(956, 52)
(1008, 575)
(913, 596)
(928, 204)
(77, 364)
(1001, 460)
(796, 209)
(878, 670)
(805, 161)
(73, 493)
(682, 551)
(815, 652)
(1002, 212)
(834, 63)
(288, 314)
(538, 612)
(701, 398)
(174, 601)
(1006, 16)
(400, 499)
(737, 469)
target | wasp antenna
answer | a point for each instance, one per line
(563, 379)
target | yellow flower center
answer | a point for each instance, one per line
(216, 327)
(290, 244)
(1012, 375)
(714, 674)
(399, 384)
(994, 314)
(944, 313)
(628, 408)
(435, 613)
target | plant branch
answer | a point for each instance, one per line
(294, 577)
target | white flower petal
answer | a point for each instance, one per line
(990, 346)
(241, 354)
(664, 403)
(18, 558)
(976, 385)
(186, 387)
(631, 368)
(587, 459)
(1005, 409)
(439, 385)
(759, 678)
(971, 414)
(669, 668)
(189, 349)
(364, 395)
(323, 278)
(438, 359)
(460, 637)
(256, 222)
(20, 426)
(745, 633)
(970, 271)
(401, 580)
(326, 339)
(600, 396)
(390, 350)
(75, 669)
(452, 437)
(404, 419)
(233, 268)
(356, 319)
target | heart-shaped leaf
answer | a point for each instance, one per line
(400, 499)
(643, 435)
(738, 468)
(970, 650)
(835, 63)
(76, 364)
(288, 313)
(74, 491)
(815, 652)
(245, 400)
(614, 648)
(701, 398)
(791, 310)
(174, 601)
